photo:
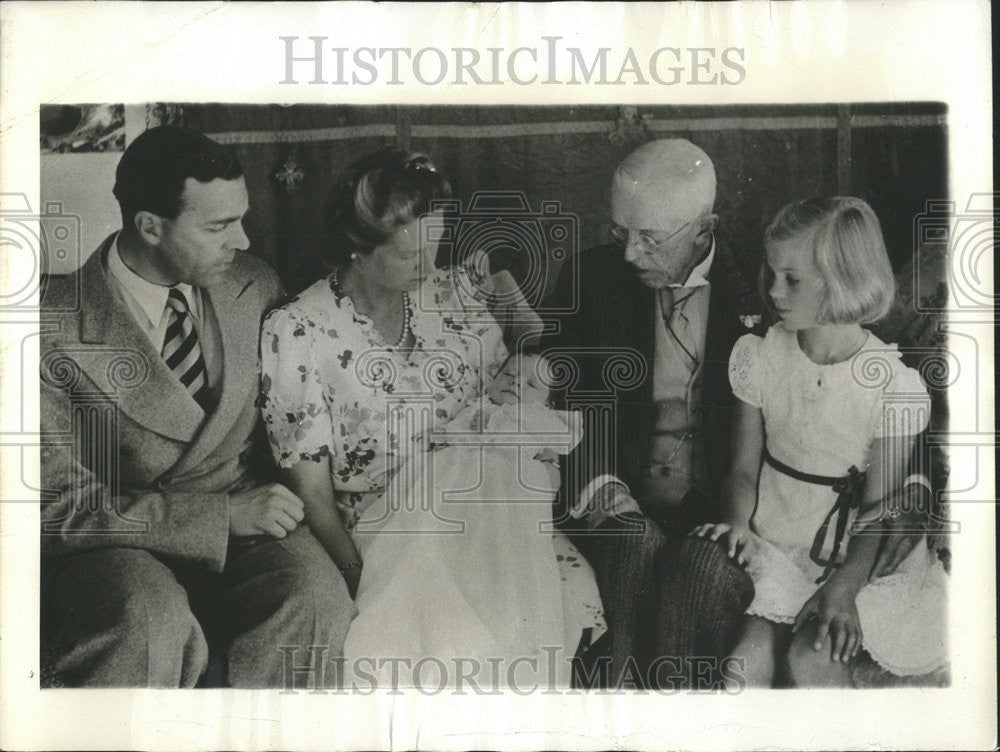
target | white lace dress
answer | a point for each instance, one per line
(334, 394)
(461, 562)
(822, 420)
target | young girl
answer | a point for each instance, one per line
(463, 579)
(825, 423)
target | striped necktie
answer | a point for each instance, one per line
(181, 350)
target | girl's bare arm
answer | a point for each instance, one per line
(739, 491)
(889, 460)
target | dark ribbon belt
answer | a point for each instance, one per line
(848, 489)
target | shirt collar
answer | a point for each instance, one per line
(699, 275)
(151, 298)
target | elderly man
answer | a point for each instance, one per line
(160, 535)
(656, 314)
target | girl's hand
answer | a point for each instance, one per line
(738, 539)
(836, 614)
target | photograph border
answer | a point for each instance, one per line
(823, 52)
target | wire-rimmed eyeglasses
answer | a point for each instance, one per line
(649, 241)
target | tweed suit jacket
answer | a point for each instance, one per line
(610, 339)
(127, 459)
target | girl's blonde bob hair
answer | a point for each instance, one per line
(845, 239)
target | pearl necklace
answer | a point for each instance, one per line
(406, 321)
(407, 315)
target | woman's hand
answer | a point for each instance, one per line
(739, 541)
(903, 528)
(836, 614)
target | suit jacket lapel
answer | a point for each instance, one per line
(717, 305)
(239, 327)
(159, 402)
(720, 334)
(629, 320)
(634, 327)
(717, 400)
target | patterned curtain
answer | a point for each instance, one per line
(560, 161)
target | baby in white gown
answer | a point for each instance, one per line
(461, 583)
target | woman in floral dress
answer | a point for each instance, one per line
(363, 365)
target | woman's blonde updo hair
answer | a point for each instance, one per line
(377, 195)
(845, 239)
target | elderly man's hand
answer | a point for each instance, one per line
(902, 526)
(609, 501)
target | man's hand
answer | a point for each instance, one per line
(836, 617)
(609, 501)
(738, 539)
(267, 510)
(902, 526)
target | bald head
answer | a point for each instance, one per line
(663, 184)
(661, 200)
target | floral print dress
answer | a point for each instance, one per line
(332, 391)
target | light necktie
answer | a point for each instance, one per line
(672, 300)
(181, 350)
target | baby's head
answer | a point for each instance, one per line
(523, 378)
(826, 264)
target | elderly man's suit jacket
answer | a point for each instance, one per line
(610, 336)
(128, 458)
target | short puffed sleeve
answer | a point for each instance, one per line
(905, 407)
(745, 369)
(295, 414)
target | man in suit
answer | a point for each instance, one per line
(160, 534)
(655, 316)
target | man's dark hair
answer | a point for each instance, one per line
(151, 173)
